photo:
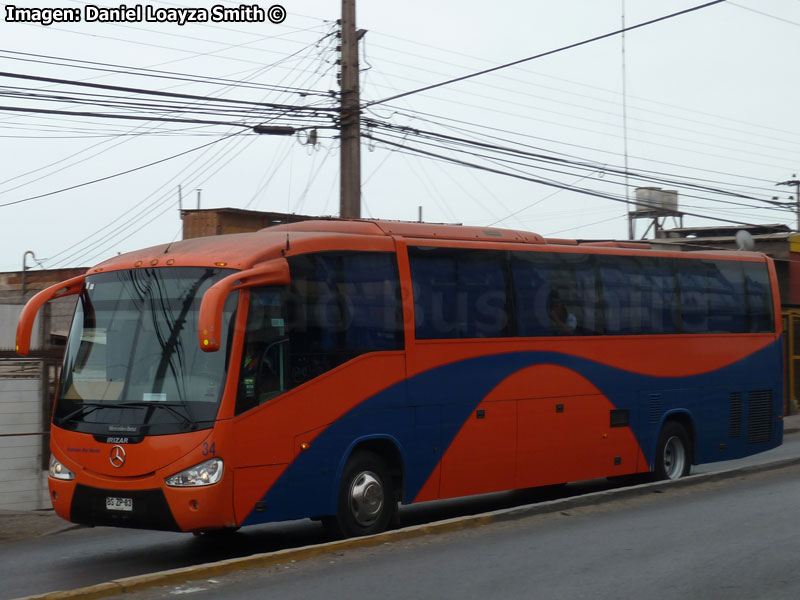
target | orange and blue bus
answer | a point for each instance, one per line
(333, 369)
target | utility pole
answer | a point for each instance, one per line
(350, 156)
(796, 184)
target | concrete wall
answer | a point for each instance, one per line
(22, 478)
(9, 315)
(56, 314)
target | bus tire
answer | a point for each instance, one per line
(367, 503)
(673, 452)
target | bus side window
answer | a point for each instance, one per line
(341, 305)
(660, 293)
(759, 298)
(726, 293)
(459, 293)
(435, 283)
(693, 284)
(639, 295)
(482, 290)
(262, 373)
(573, 281)
(531, 274)
(370, 290)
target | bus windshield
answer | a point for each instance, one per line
(132, 363)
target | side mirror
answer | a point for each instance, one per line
(209, 321)
(25, 324)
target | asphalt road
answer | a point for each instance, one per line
(730, 539)
(87, 556)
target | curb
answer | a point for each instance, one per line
(207, 570)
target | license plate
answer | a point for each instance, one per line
(119, 503)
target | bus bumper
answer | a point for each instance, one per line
(147, 504)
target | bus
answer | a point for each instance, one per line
(333, 369)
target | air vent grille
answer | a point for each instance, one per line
(759, 416)
(736, 415)
(655, 408)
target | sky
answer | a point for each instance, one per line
(703, 103)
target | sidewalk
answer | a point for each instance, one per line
(21, 525)
(791, 424)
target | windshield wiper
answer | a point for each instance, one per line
(84, 409)
(170, 406)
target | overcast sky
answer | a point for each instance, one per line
(711, 102)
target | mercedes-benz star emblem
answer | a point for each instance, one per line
(117, 456)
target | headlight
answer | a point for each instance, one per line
(59, 471)
(206, 473)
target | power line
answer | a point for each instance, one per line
(169, 106)
(509, 164)
(614, 218)
(416, 116)
(796, 24)
(111, 68)
(137, 213)
(550, 183)
(146, 210)
(537, 85)
(683, 149)
(219, 164)
(571, 163)
(152, 130)
(543, 54)
(158, 92)
(119, 116)
(593, 109)
(139, 168)
(537, 202)
(173, 48)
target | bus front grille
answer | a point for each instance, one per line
(150, 509)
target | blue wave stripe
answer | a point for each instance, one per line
(423, 415)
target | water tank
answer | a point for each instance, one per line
(655, 199)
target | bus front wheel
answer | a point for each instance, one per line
(367, 502)
(673, 452)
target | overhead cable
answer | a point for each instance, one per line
(543, 54)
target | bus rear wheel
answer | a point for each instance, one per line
(673, 452)
(366, 503)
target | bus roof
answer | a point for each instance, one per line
(243, 250)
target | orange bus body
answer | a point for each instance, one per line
(445, 416)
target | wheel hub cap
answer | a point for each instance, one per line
(366, 498)
(674, 457)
